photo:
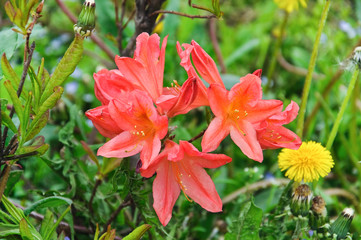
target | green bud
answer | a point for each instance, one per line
(318, 214)
(86, 20)
(340, 227)
(301, 201)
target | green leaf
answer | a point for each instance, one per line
(47, 223)
(10, 11)
(24, 230)
(15, 212)
(246, 227)
(6, 218)
(54, 201)
(48, 104)
(7, 230)
(14, 177)
(8, 71)
(25, 121)
(137, 233)
(41, 124)
(56, 224)
(6, 120)
(36, 87)
(65, 67)
(14, 98)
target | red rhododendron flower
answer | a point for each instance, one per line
(142, 127)
(178, 99)
(235, 113)
(102, 120)
(181, 167)
(271, 134)
(109, 84)
(146, 69)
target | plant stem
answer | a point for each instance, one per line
(273, 63)
(4, 179)
(126, 202)
(90, 205)
(301, 224)
(311, 67)
(342, 109)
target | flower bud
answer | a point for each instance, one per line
(301, 200)
(318, 214)
(86, 20)
(342, 224)
(356, 57)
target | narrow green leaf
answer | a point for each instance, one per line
(14, 177)
(90, 154)
(6, 218)
(57, 223)
(14, 98)
(137, 233)
(24, 123)
(6, 120)
(9, 72)
(10, 11)
(15, 212)
(25, 231)
(246, 227)
(48, 104)
(7, 230)
(47, 223)
(36, 87)
(54, 201)
(65, 67)
(40, 125)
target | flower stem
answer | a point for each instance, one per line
(311, 67)
(342, 109)
(276, 50)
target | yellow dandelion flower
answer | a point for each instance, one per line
(307, 163)
(290, 5)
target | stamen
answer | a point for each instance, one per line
(131, 149)
(143, 134)
(178, 176)
(236, 110)
(245, 113)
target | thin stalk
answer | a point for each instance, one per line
(301, 224)
(353, 123)
(342, 109)
(273, 63)
(4, 179)
(311, 67)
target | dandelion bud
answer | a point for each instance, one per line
(86, 20)
(342, 224)
(301, 200)
(318, 214)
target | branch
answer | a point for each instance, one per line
(296, 70)
(126, 202)
(198, 136)
(184, 14)
(93, 37)
(217, 49)
(255, 187)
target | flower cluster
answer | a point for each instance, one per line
(136, 109)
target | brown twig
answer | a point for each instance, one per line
(217, 49)
(343, 193)
(120, 24)
(255, 187)
(90, 205)
(198, 136)
(126, 202)
(184, 14)
(93, 37)
(7, 158)
(293, 69)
